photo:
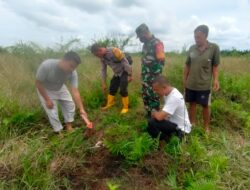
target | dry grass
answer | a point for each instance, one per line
(17, 81)
(236, 65)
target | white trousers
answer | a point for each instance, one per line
(64, 99)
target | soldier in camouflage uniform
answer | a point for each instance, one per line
(153, 58)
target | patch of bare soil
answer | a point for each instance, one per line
(100, 166)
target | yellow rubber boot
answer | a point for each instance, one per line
(110, 102)
(125, 105)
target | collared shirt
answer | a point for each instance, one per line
(175, 107)
(117, 66)
(201, 65)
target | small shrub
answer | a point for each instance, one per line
(203, 185)
(72, 142)
(20, 122)
(171, 180)
(112, 186)
(217, 164)
(195, 149)
(125, 141)
(173, 146)
(93, 97)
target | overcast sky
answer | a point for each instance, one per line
(48, 21)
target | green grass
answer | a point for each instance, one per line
(32, 157)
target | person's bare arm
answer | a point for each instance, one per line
(216, 85)
(159, 52)
(44, 94)
(159, 115)
(77, 98)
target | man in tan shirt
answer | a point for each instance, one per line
(201, 67)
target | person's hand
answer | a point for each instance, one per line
(49, 104)
(216, 85)
(84, 117)
(89, 125)
(130, 78)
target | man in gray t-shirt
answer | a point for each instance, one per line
(50, 82)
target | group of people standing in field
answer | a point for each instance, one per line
(200, 73)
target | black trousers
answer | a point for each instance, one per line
(165, 128)
(119, 82)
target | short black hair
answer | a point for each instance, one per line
(72, 56)
(161, 81)
(202, 28)
(95, 47)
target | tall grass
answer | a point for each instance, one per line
(31, 157)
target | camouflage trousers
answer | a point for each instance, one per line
(150, 99)
(149, 72)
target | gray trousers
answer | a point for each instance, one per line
(64, 99)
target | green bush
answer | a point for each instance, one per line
(203, 185)
(125, 141)
(173, 147)
(195, 149)
(72, 143)
(19, 122)
(234, 88)
(34, 173)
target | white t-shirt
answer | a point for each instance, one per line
(175, 107)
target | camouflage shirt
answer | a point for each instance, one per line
(153, 58)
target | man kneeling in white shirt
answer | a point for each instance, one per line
(173, 118)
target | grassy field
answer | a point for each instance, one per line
(32, 157)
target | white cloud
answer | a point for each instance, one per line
(89, 6)
(45, 21)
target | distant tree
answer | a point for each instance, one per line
(234, 52)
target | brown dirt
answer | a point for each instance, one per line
(157, 164)
(100, 167)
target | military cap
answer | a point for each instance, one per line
(141, 29)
